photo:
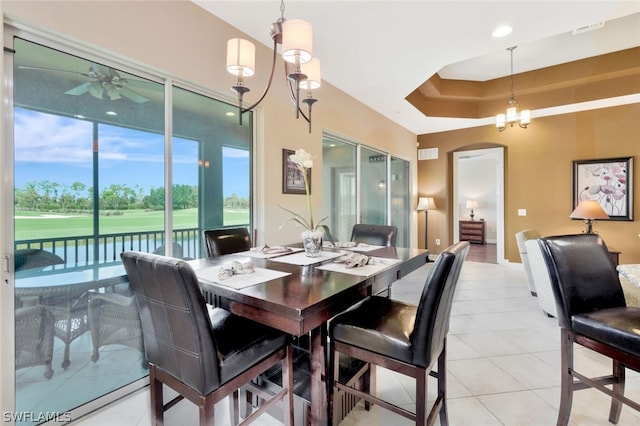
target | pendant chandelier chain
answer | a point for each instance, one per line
(511, 50)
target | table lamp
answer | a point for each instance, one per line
(588, 210)
(426, 204)
(472, 204)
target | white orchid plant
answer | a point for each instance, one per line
(304, 161)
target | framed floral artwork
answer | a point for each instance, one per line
(292, 180)
(608, 181)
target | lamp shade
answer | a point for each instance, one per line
(472, 204)
(241, 57)
(312, 70)
(297, 41)
(426, 203)
(588, 209)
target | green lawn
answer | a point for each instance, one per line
(34, 225)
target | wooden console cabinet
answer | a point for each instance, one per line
(472, 231)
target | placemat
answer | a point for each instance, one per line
(302, 259)
(271, 252)
(365, 271)
(239, 281)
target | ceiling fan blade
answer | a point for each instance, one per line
(30, 68)
(79, 90)
(133, 96)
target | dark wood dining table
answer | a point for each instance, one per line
(302, 302)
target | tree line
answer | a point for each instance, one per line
(77, 197)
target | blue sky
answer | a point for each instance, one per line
(59, 149)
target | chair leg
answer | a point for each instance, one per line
(618, 389)
(207, 413)
(421, 399)
(332, 377)
(442, 384)
(234, 409)
(566, 391)
(157, 404)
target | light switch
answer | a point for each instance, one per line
(522, 212)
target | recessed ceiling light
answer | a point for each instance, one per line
(230, 114)
(112, 113)
(502, 31)
(80, 116)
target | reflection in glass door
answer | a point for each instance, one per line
(340, 184)
(400, 199)
(373, 187)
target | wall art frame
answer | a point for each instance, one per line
(609, 181)
(292, 179)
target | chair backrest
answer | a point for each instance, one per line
(583, 277)
(226, 241)
(177, 250)
(434, 310)
(176, 329)
(375, 235)
(521, 238)
(546, 300)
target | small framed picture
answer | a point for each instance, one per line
(292, 179)
(608, 181)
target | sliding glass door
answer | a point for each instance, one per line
(93, 170)
(362, 185)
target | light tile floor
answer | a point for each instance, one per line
(503, 365)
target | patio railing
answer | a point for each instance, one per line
(86, 249)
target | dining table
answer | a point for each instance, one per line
(299, 295)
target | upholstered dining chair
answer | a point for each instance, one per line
(226, 241)
(401, 337)
(592, 312)
(521, 238)
(204, 355)
(375, 235)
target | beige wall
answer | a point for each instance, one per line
(180, 39)
(538, 175)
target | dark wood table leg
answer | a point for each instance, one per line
(318, 376)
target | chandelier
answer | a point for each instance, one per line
(513, 113)
(301, 68)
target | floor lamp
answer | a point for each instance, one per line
(426, 204)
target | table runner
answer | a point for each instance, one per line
(364, 271)
(257, 254)
(361, 247)
(240, 281)
(302, 259)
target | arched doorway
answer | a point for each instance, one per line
(478, 178)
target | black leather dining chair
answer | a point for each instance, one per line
(401, 337)
(226, 241)
(592, 312)
(203, 355)
(375, 235)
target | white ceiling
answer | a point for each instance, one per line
(380, 51)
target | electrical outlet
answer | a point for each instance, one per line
(437, 241)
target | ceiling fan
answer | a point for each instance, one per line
(104, 83)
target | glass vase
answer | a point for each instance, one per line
(312, 242)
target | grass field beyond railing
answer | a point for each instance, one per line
(30, 225)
